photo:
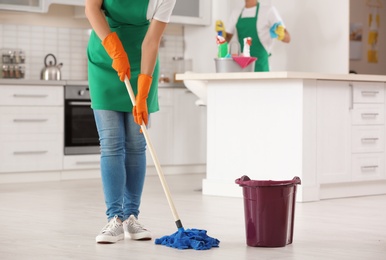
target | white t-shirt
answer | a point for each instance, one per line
(267, 16)
(160, 10)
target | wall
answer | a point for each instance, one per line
(60, 33)
(359, 13)
(319, 36)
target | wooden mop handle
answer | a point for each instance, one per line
(155, 159)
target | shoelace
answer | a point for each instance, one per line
(112, 225)
(136, 226)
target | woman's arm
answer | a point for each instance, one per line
(150, 46)
(228, 37)
(97, 18)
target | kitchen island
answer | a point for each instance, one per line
(326, 129)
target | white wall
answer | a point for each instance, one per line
(319, 32)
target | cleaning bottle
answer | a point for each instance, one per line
(247, 46)
(222, 46)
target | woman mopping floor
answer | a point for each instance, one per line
(125, 41)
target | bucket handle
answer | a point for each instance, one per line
(246, 181)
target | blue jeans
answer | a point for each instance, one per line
(123, 162)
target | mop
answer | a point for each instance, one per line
(182, 239)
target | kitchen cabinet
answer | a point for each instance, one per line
(35, 5)
(368, 131)
(22, 5)
(161, 129)
(178, 130)
(31, 128)
(333, 131)
(350, 132)
(193, 12)
(189, 129)
(32, 134)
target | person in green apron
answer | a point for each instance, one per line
(124, 43)
(263, 24)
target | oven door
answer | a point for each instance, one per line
(80, 133)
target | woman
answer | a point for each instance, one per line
(263, 24)
(124, 41)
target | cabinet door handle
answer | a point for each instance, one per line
(29, 152)
(369, 167)
(74, 103)
(29, 120)
(351, 106)
(370, 114)
(30, 96)
(369, 93)
(87, 163)
(372, 139)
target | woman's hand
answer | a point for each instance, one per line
(114, 48)
(140, 112)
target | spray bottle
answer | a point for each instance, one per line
(222, 47)
(247, 47)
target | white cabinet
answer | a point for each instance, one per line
(189, 129)
(333, 131)
(350, 131)
(178, 130)
(368, 131)
(31, 128)
(22, 5)
(35, 5)
(161, 129)
(194, 12)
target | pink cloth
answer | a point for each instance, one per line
(243, 61)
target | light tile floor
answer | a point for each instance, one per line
(59, 220)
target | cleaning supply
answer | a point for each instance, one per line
(222, 44)
(222, 47)
(247, 46)
(182, 239)
(220, 28)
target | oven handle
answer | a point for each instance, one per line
(79, 103)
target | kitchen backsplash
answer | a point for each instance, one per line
(69, 47)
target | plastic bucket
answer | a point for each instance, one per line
(269, 210)
(225, 65)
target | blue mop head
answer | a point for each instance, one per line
(191, 238)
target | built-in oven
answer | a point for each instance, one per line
(80, 132)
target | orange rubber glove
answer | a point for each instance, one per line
(140, 110)
(114, 48)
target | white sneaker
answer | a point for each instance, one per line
(135, 230)
(112, 232)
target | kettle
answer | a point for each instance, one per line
(51, 71)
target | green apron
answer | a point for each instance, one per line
(246, 27)
(128, 20)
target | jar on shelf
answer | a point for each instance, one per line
(5, 72)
